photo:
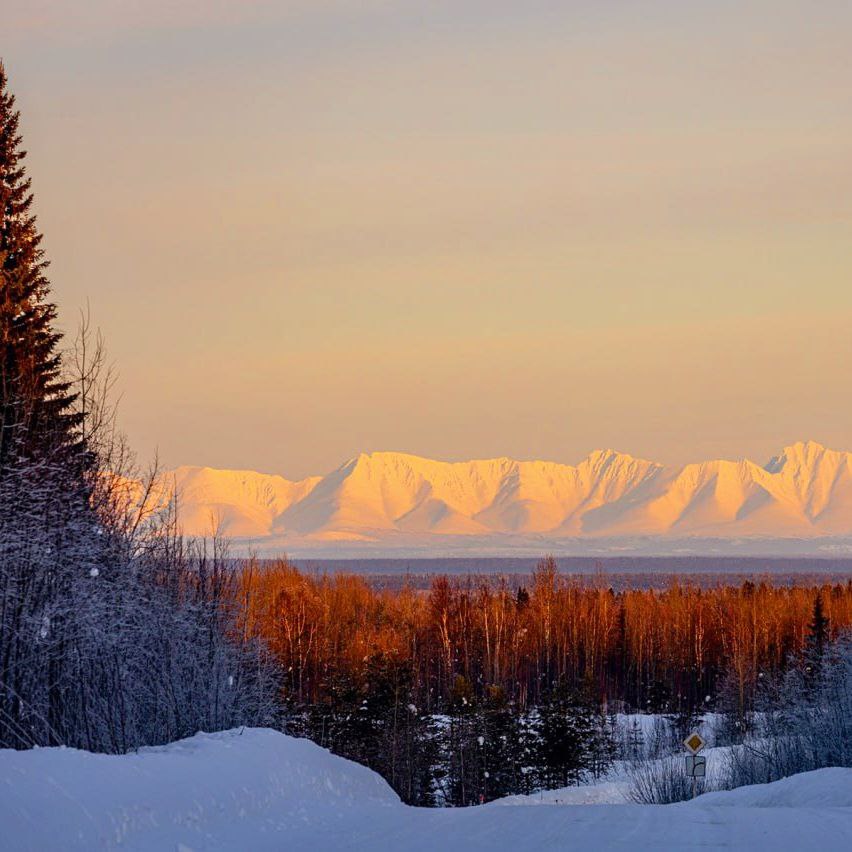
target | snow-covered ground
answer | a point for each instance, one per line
(261, 790)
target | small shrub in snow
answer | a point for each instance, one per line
(663, 782)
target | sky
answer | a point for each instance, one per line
(459, 229)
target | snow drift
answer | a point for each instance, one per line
(261, 790)
(242, 789)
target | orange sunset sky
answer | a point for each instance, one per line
(458, 229)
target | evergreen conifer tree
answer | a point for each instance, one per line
(500, 750)
(572, 738)
(816, 642)
(39, 428)
(44, 500)
(104, 643)
(818, 632)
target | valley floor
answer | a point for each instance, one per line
(257, 789)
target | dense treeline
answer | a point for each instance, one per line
(474, 689)
(650, 650)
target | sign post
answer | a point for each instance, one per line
(696, 765)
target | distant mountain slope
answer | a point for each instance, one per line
(240, 502)
(805, 491)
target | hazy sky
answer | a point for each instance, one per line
(463, 228)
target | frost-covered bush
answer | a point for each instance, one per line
(115, 632)
(663, 781)
(805, 721)
(125, 650)
(662, 740)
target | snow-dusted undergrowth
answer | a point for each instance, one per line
(261, 790)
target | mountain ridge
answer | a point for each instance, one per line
(804, 491)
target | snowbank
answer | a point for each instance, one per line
(824, 788)
(212, 791)
(261, 790)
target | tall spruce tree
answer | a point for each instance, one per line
(818, 629)
(45, 513)
(105, 643)
(39, 428)
(815, 643)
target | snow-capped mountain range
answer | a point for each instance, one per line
(393, 498)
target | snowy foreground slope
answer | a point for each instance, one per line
(261, 790)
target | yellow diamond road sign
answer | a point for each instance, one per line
(695, 742)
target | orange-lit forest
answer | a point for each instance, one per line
(646, 649)
(476, 688)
